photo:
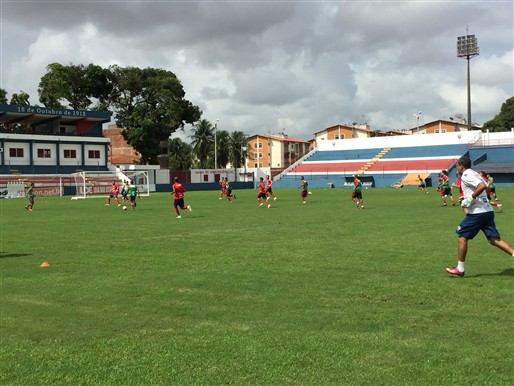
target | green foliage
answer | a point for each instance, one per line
(149, 103)
(150, 106)
(21, 99)
(3, 96)
(180, 155)
(75, 86)
(504, 120)
(229, 146)
(223, 148)
(233, 294)
(53, 86)
(202, 141)
(237, 142)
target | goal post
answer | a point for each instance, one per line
(90, 184)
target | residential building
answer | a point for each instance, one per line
(443, 126)
(274, 151)
(343, 132)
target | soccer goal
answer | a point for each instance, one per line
(98, 184)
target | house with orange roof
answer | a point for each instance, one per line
(274, 151)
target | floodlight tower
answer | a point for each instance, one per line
(216, 144)
(467, 47)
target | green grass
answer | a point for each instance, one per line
(315, 294)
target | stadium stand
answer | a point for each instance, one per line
(385, 165)
(412, 178)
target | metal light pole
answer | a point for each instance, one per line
(216, 144)
(417, 121)
(467, 47)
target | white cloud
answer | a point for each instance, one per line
(296, 67)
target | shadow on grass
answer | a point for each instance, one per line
(9, 254)
(505, 272)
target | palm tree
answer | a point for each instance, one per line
(180, 155)
(223, 148)
(237, 142)
(203, 140)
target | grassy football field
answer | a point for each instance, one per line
(316, 294)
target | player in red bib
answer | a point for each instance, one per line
(269, 190)
(178, 197)
(489, 192)
(262, 193)
(223, 187)
(114, 193)
(304, 192)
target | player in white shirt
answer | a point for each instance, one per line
(479, 217)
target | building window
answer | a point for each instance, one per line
(15, 152)
(257, 145)
(205, 178)
(44, 153)
(339, 136)
(257, 165)
(436, 131)
(94, 154)
(70, 153)
(443, 130)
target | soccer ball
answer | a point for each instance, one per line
(124, 207)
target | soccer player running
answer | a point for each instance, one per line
(491, 188)
(132, 194)
(304, 189)
(422, 185)
(480, 216)
(30, 196)
(357, 192)
(489, 191)
(445, 189)
(114, 193)
(223, 187)
(269, 190)
(228, 191)
(261, 194)
(178, 197)
(124, 191)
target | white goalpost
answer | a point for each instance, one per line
(98, 184)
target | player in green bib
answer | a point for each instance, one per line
(132, 194)
(30, 196)
(357, 192)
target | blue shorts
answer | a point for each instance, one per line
(474, 223)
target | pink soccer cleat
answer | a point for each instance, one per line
(455, 271)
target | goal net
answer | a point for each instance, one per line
(98, 184)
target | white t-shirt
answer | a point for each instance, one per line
(469, 181)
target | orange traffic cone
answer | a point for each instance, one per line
(44, 264)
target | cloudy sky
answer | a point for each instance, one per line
(279, 66)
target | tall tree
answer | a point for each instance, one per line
(203, 141)
(75, 86)
(504, 120)
(180, 155)
(3, 96)
(149, 106)
(53, 86)
(237, 142)
(223, 149)
(20, 99)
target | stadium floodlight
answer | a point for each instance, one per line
(417, 115)
(216, 144)
(467, 47)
